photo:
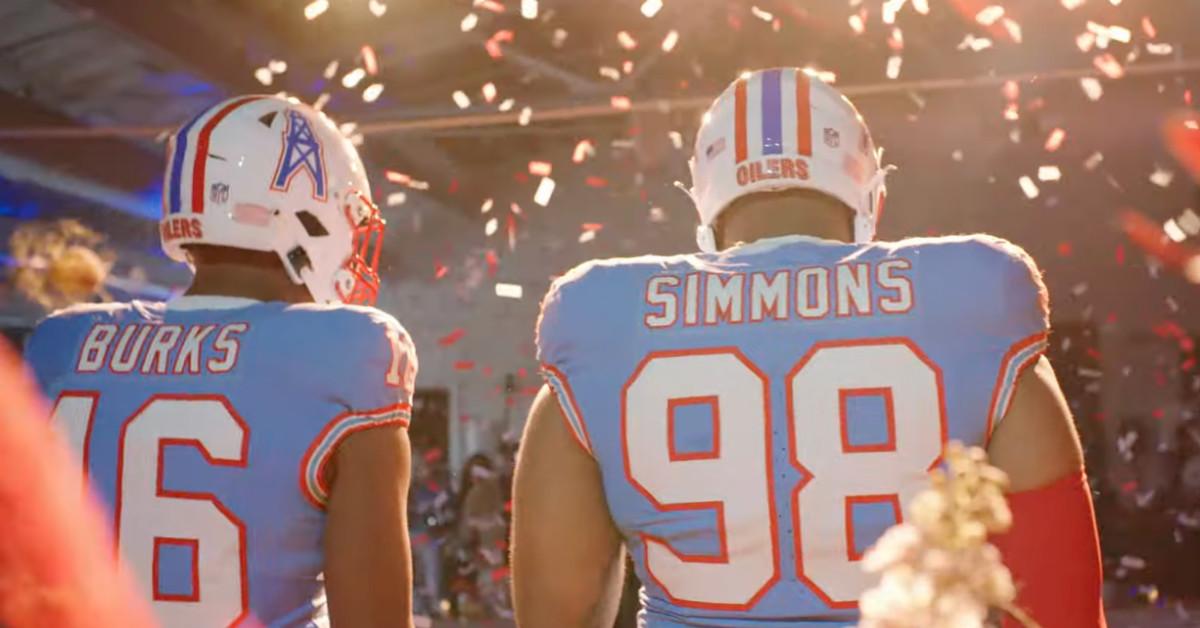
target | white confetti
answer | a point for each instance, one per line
(544, 192)
(1189, 222)
(676, 139)
(377, 8)
(1171, 228)
(670, 41)
(610, 73)
(1161, 177)
(1120, 33)
(278, 66)
(587, 236)
(489, 92)
(857, 24)
(461, 99)
(396, 198)
(353, 78)
(990, 15)
(626, 40)
(507, 105)
(509, 291)
(650, 8)
(560, 37)
(491, 227)
(583, 150)
(330, 70)
(321, 101)
(469, 22)
(921, 6)
(1014, 29)
(372, 92)
(529, 9)
(1085, 40)
(315, 9)
(264, 76)
(1091, 86)
(657, 215)
(761, 14)
(1093, 161)
(1028, 187)
(890, 9)
(540, 168)
(487, 206)
(893, 66)
(525, 117)
(1049, 173)
(1159, 48)
(1071, 5)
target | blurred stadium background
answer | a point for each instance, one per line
(508, 140)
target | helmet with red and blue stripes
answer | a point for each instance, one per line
(781, 129)
(266, 173)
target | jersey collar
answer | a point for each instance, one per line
(208, 302)
(766, 244)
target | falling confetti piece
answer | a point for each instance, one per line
(377, 8)
(1119, 33)
(657, 215)
(596, 182)
(1028, 187)
(1071, 5)
(676, 139)
(990, 15)
(761, 14)
(507, 105)
(1093, 161)
(1013, 29)
(1189, 221)
(587, 236)
(461, 99)
(626, 40)
(321, 101)
(464, 365)
(1162, 177)
(890, 9)
(372, 92)
(264, 76)
(1091, 86)
(489, 92)
(370, 61)
(896, 40)
(540, 168)
(515, 208)
(650, 8)
(610, 73)
(529, 9)
(1148, 235)
(1108, 65)
(440, 271)
(627, 67)
(525, 117)
(353, 78)
(893, 66)
(396, 198)
(277, 66)
(469, 22)
(670, 40)
(1181, 131)
(544, 192)
(330, 70)
(1159, 49)
(1055, 140)
(493, 43)
(487, 206)
(560, 37)
(315, 8)
(621, 103)
(1148, 27)
(490, 5)
(583, 150)
(453, 337)
(491, 227)
(509, 291)
(1049, 173)
(857, 24)
(1171, 228)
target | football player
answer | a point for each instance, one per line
(250, 436)
(748, 420)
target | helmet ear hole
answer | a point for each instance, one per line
(298, 259)
(312, 224)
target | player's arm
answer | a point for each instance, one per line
(567, 557)
(368, 563)
(1052, 549)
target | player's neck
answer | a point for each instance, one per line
(778, 215)
(247, 282)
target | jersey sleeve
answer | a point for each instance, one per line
(51, 347)
(1019, 316)
(565, 332)
(376, 388)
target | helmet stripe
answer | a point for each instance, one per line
(803, 115)
(739, 118)
(201, 162)
(772, 112)
(174, 184)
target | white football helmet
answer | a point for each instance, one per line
(265, 173)
(784, 129)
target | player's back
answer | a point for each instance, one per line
(205, 426)
(762, 415)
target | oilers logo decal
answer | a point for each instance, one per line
(302, 152)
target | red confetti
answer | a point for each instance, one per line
(1182, 134)
(453, 187)
(370, 61)
(1065, 249)
(490, 5)
(1121, 254)
(493, 43)
(440, 271)
(453, 337)
(596, 182)
(593, 226)
(1148, 28)
(464, 365)
(1149, 236)
(1109, 66)
(493, 263)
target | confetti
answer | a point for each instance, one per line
(610, 73)
(857, 24)
(1119, 33)
(1013, 29)
(1189, 222)
(1071, 5)
(315, 8)
(1162, 177)
(492, 45)
(657, 215)
(453, 337)
(489, 92)
(264, 76)
(587, 236)
(372, 92)
(401, 178)
(440, 271)
(761, 14)
(529, 9)
(893, 66)
(1108, 65)
(1159, 49)
(650, 8)
(1055, 140)
(621, 103)
(560, 37)
(1148, 27)
(890, 9)
(469, 22)
(540, 168)
(990, 15)
(396, 198)
(1091, 87)
(670, 41)
(487, 206)
(370, 61)
(330, 70)
(353, 78)
(377, 8)
(490, 5)
(490, 228)
(896, 40)
(583, 150)
(1093, 161)
(1173, 231)
(525, 116)
(1028, 187)
(507, 105)
(626, 40)
(676, 139)
(321, 101)
(596, 182)
(1049, 173)
(461, 99)
(277, 66)
(509, 291)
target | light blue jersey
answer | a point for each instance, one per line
(760, 416)
(206, 425)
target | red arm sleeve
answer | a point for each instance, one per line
(1053, 552)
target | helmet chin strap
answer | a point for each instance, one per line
(706, 239)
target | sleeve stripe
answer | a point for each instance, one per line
(1019, 357)
(312, 484)
(570, 409)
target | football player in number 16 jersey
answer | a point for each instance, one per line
(249, 437)
(747, 421)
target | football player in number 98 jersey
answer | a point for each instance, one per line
(249, 437)
(748, 420)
